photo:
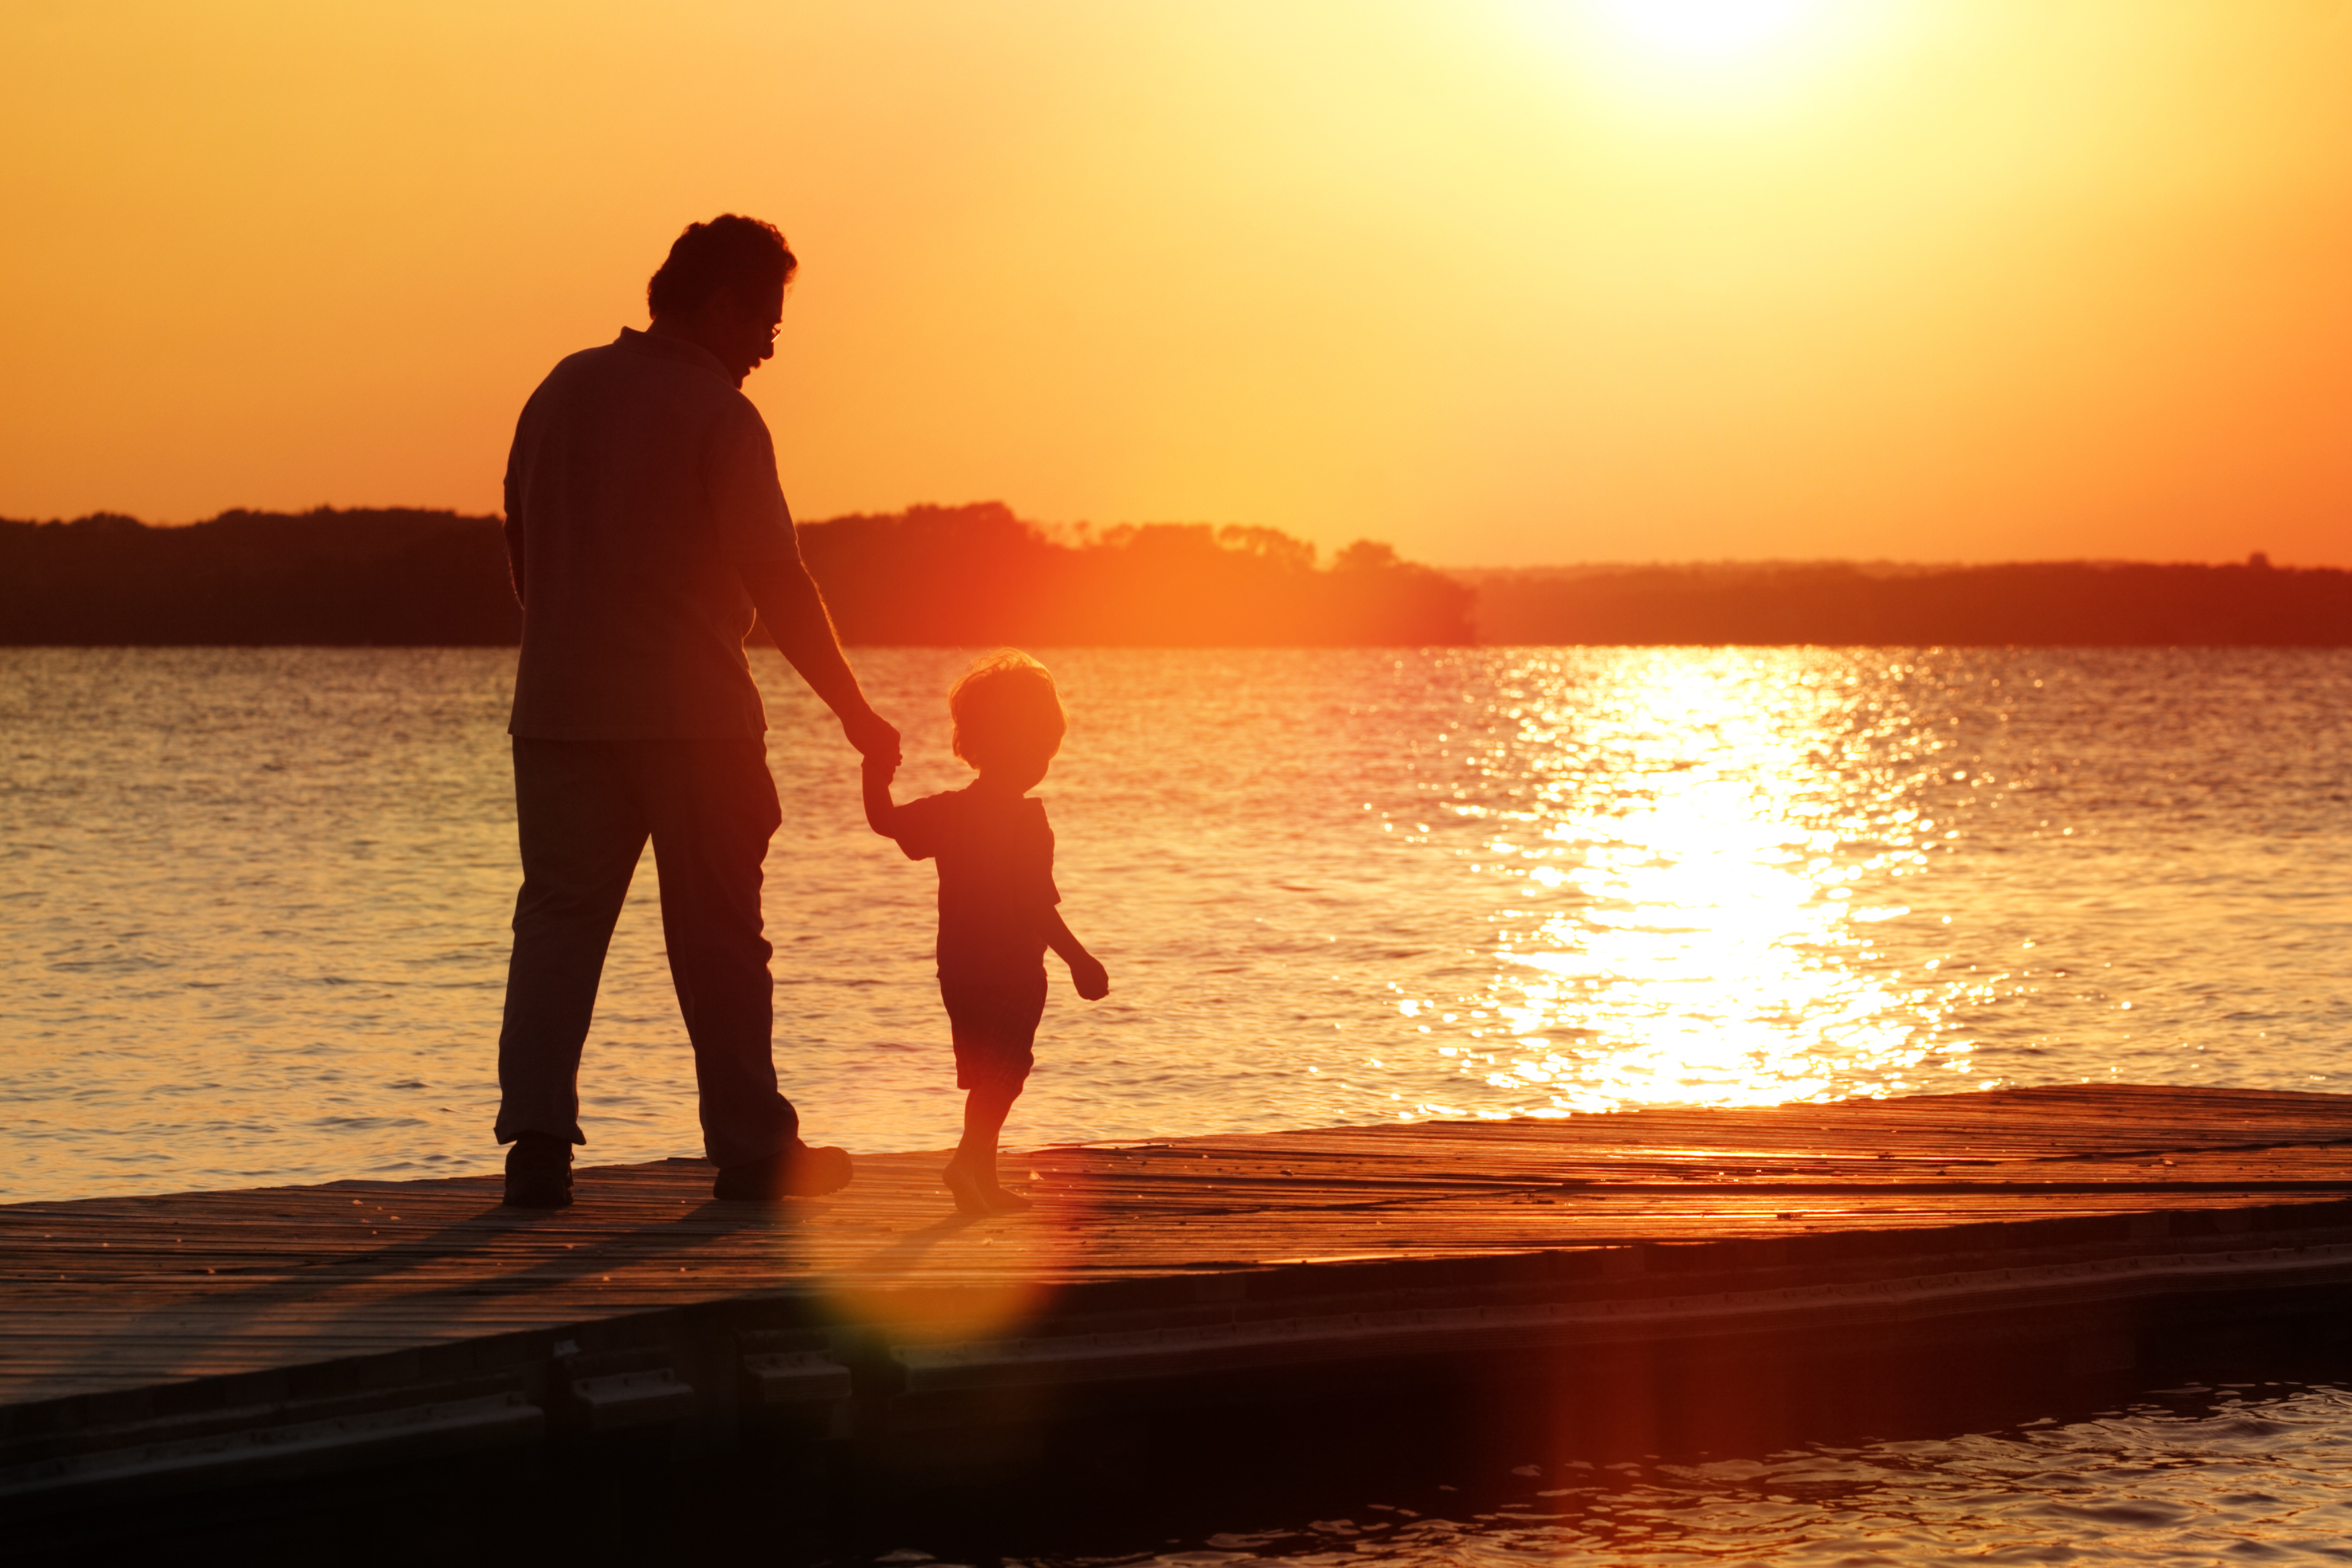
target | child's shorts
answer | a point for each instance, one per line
(993, 1021)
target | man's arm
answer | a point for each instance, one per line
(793, 612)
(755, 528)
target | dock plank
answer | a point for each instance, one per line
(115, 1293)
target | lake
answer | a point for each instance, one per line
(253, 903)
(252, 930)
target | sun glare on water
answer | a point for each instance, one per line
(1711, 846)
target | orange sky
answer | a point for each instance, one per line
(1502, 281)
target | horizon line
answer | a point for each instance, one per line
(1877, 565)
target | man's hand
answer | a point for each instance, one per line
(875, 738)
(1090, 978)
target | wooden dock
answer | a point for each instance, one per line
(207, 1339)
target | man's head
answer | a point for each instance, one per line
(723, 288)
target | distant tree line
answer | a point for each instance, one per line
(2058, 603)
(975, 575)
(962, 576)
(392, 577)
(947, 576)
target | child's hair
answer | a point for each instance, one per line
(1006, 702)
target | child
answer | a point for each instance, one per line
(996, 899)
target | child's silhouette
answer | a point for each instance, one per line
(996, 899)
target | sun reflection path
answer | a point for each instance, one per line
(1719, 833)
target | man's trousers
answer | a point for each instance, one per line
(583, 811)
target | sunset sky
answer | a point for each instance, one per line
(1500, 281)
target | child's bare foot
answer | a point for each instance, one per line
(971, 1195)
(977, 1190)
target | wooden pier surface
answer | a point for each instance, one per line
(104, 1302)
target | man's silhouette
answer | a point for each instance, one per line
(646, 526)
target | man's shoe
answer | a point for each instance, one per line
(799, 1172)
(539, 1171)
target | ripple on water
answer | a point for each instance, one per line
(2192, 1476)
(1333, 885)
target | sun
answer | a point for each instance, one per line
(1709, 30)
(1714, 61)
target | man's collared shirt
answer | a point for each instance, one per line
(639, 479)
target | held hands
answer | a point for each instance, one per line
(881, 767)
(875, 738)
(1090, 978)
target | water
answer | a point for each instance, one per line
(253, 901)
(2189, 1475)
(252, 910)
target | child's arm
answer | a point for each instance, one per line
(1087, 972)
(881, 813)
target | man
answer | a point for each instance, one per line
(645, 528)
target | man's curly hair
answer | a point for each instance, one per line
(730, 252)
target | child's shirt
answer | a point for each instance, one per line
(996, 877)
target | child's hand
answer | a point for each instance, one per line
(881, 767)
(1090, 978)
